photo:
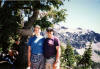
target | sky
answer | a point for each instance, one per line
(83, 13)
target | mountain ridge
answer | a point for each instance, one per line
(79, 39)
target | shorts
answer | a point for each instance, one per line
(37, 61)
(49, 63)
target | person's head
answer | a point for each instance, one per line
(37, 29)
(50, 31)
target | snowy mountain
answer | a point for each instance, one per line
(80, 38)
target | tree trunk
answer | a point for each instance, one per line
(32, 19)
(26, 31)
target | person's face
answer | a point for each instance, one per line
(36, 30)
(50, 33)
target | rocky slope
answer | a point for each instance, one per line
(80, 38)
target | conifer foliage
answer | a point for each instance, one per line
(68, 57)
(86, 61)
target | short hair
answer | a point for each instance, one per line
(37, 26)
(49, 29)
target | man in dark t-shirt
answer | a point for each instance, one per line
(51, 50)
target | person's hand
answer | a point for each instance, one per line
(57, 61)
(56, 64)
(28, 68)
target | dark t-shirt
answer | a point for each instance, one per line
(50, 47)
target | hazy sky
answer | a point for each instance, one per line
(83, 13)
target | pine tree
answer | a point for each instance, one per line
(86, 61)
(69, 55)
(63, 56)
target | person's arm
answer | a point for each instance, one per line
(57, 44)
(29, 56)
(58, 53)
(57, 62)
